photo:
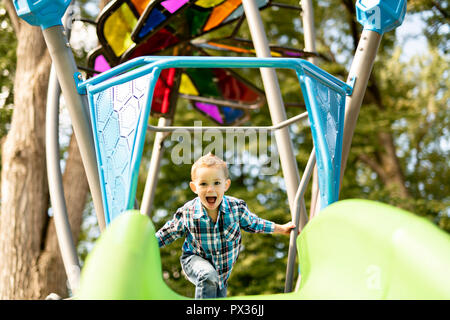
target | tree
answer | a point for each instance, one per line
(31, 264)
(398, 155)
(24, 217)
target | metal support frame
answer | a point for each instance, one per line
(300, 218)
(153, 171)
(139, 67)
(361, 69)
(308, 28)
(161, 132)
(377, 17)
(278, 126)
(65, 67)
(310, 45)
(56, 189)
(163, 129)
(274, 100)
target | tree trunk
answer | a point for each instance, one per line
(30, 261)
(393, 176)
(23, 218)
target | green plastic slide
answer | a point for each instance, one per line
(355, 249)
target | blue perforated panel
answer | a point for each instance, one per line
(119, 115)
(326, 110)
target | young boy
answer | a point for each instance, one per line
(211, 224)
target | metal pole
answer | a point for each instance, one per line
(153, 171)
(309, 35)
(63, 230)
(299, 219)
(274, 100)
(361, 69)
(315, 200)
(163, 128)
(65, 67)
(310, 45)
(278, 126)
(309, 32)
(62, 225)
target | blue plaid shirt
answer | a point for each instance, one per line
(218, 242)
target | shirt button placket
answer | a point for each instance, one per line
(217, 238)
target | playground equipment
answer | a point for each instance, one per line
(355, 249)
(111, 134)
(324, 97)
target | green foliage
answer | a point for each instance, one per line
(422, 131)
(436, 15)
(8, 43)
(416, 112)
(405, 89)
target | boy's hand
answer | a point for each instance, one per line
(284, 228)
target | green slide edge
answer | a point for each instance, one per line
(354, 249)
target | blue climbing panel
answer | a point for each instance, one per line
(119, 119)
(120, 101)
(326, 112)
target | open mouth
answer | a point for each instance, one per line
(211, 200)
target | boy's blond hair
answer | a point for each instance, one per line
(209, 160)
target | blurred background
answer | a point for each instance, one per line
(399, 154)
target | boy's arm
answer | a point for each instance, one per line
(172, 229)
(250, 222)
(284, 228)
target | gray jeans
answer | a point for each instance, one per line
(204, 276)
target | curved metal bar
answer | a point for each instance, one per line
(153, 170)
(266, 128)
(56, 189)
(310, 45)
(309, 75)
(65, 67)
(61, 219)
(143, 65)
(299, 212)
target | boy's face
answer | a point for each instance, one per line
(210, 185)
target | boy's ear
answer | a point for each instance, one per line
(227, 184)
(193, 187)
